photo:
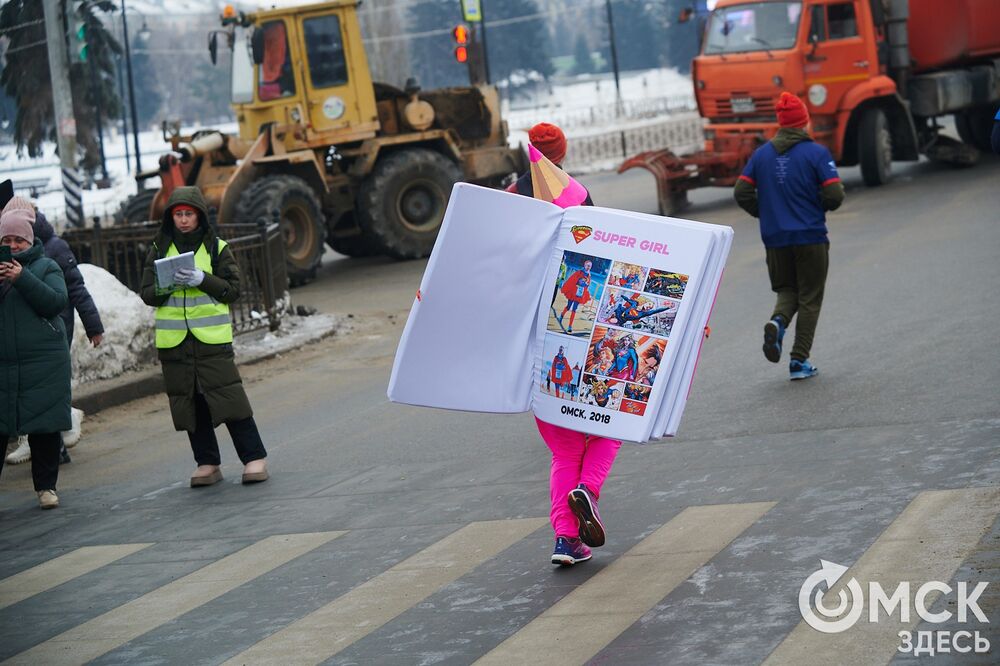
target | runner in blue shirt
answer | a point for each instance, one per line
(789, 183)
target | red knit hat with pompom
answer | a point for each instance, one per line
(791, 111)
(550, 140)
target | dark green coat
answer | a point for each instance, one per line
(194, 365)
(34, 355)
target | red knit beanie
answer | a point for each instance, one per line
(550, 140)
(791, 111)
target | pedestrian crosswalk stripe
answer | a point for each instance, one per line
(580, 625)
(352, 616)
(928, 541)
(120, 625)
(61, 570)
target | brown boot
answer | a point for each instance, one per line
(255, 471)
(206, 475)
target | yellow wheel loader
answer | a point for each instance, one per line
(363, 166)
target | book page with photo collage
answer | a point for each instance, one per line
(616, 289)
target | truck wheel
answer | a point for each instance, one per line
(402, 202)
(301, 216)
(875, 148)
(975, 126)
(135, 210)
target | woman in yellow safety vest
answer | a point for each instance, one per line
(194, 339)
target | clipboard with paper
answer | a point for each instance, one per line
(167, 267)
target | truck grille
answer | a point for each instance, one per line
(739, 104)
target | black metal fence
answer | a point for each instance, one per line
(259, 249)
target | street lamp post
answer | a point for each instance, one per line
(131, 93)
(121, 93)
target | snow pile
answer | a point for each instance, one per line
(128, 330)
(295, 332)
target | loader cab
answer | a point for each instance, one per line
(303, 66)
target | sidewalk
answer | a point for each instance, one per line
(250, 348)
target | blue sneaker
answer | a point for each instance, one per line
(774, 332)
(584, 507)
(801, 369)
(569, 551)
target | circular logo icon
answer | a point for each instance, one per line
(817, 94)
(830, 620)
(333, 107)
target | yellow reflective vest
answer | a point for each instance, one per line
(193, 310)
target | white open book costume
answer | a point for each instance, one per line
(490, 330)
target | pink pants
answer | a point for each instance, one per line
(576, 458)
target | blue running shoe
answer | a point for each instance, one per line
(584, 507)
(801, 369)
(569, 551)
(774, 332)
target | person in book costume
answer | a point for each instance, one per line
(790, 183)
(580, 462)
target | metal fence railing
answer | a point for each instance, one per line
(259, 249)
(599, 115)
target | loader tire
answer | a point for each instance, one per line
(301, 216)
(402, 202)
(358, 244)
(135, 210)
(875, 148)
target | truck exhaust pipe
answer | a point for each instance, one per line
(899, 43)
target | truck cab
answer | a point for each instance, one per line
(824, 51)
(875, 75)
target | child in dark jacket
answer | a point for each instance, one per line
(789, 183)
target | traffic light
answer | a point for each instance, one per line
(77, 22)
(461, 35)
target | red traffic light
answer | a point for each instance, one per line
(462, 54)
(461, 35)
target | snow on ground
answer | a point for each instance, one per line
(96, 202)
(294, 332)
(128, 330)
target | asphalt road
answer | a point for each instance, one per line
(398, 535)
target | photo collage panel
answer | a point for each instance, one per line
(608, 329)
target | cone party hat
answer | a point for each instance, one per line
(550, 183)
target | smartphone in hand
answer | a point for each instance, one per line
(5, 254)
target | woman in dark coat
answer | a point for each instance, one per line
(34, 355)
(194, 337)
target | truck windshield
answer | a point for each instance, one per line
(242, 69)
(758, 26)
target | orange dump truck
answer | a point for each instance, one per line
(876, 75)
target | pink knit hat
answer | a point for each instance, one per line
(19, 203)
(18, 222)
